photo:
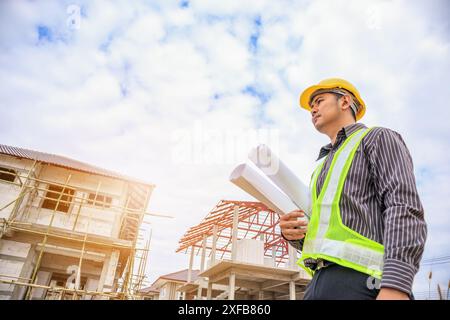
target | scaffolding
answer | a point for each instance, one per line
(132, 247)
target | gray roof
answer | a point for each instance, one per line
(179, 276)
(64, 162)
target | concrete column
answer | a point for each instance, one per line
(101, 281)
(191, 262)
(202, 262)
(27, 270)
(292, 290)
(234, 233)
(260, 295)
(292, 257)
(214, 244)
(199, 291)
(232, 286)
(209, 291)
(274, 255)
(108, 274)
(202, 267)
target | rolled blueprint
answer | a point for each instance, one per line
(258, 185)
(282, 176)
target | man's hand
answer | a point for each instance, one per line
(392, 294)
(291, 228)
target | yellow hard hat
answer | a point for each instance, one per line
(332, 83)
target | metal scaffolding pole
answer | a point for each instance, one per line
(78, 278)
(36, 267)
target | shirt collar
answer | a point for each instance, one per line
(340, 137)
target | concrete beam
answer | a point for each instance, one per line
(269, 284)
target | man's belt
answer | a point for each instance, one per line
(319, 264)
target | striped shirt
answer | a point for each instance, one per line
(380, 201)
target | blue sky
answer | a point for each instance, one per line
(122, 83)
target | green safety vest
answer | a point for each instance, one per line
(327, 237)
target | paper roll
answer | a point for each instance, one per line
(282, 176)
(257, 185)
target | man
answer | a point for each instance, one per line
(366, 233)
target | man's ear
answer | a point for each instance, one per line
(345, 102)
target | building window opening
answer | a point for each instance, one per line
(7, 174)
(101, 201)
(53, 194)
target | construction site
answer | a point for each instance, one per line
(72, 231)
(243, 256)
(69, 230)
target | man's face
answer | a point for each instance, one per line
(325, 110)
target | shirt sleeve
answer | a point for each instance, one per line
(405, 230)
(297, 244)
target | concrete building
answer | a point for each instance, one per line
(166, 287)
(68, 230)
(243, 255)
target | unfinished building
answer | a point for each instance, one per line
(167, 286)
(69, 230)
(247, 257)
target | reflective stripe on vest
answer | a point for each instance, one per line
(327, 237)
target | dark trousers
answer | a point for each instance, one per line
(335, 282)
